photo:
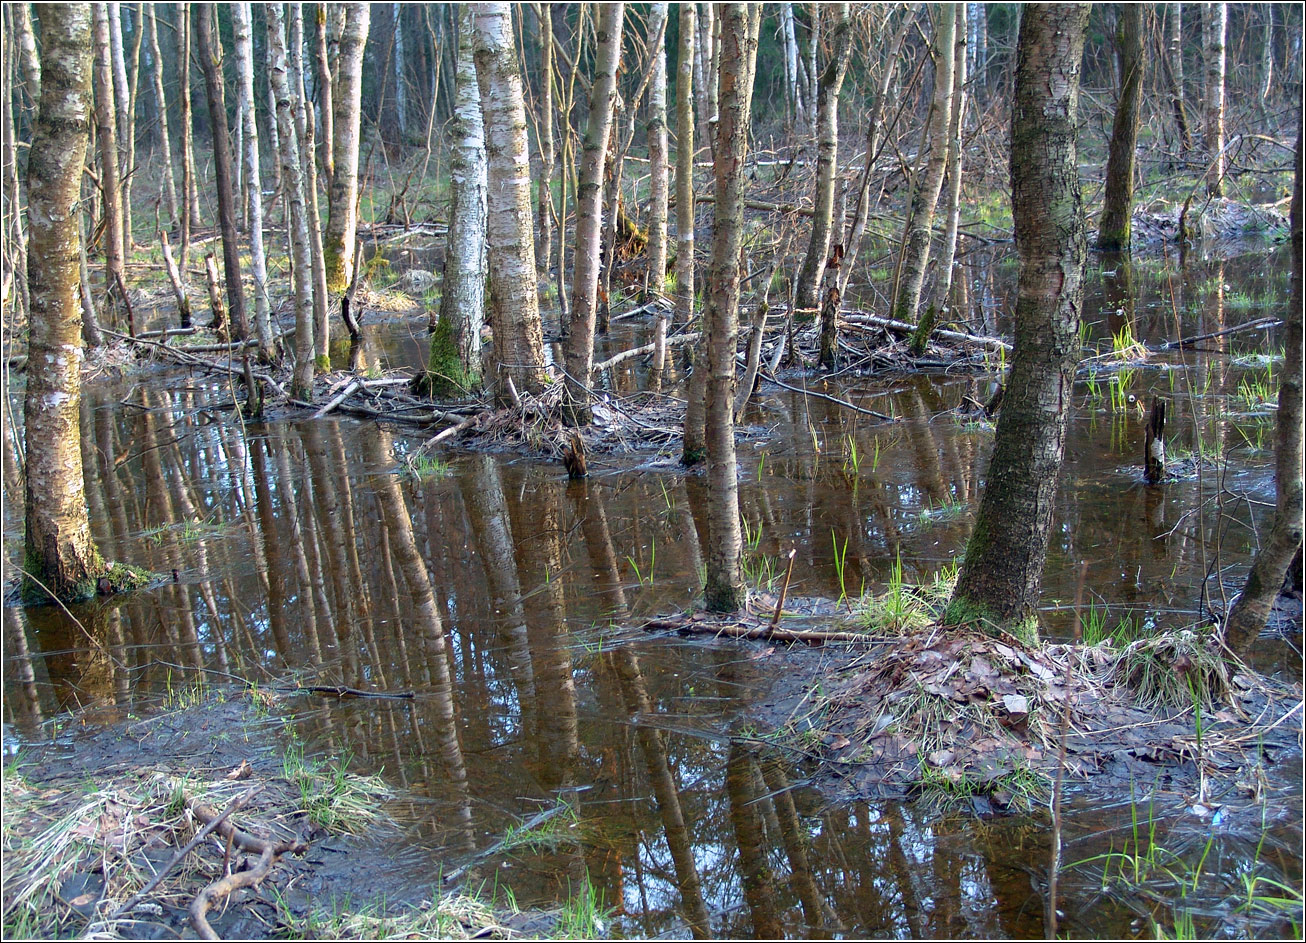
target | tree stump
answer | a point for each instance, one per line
(1154, 451)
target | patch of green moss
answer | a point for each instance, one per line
(445, 374)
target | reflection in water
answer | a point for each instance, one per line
(500, 594)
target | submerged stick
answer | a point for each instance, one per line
(784, 589)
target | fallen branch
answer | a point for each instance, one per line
(339, 398)
(237, 803)
(754, 631)
(342, 691)
(1260, 324)
(902, 327)
(679, 340)
(268, 853)
(825, 396)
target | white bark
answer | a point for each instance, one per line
(657, 150)
(169, 181)
(514, 298)
(1215, 19)
(292, 179)
(305, 130)
(401, 90)
(916, 251)
(342, 225)
(953, 202)
(242, 18)
(462, 302)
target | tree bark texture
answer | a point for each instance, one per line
(242, 19)
(544, 253)
(325, 94)
(28, 60)
(161, 102)
(190, 190)
(455, 357)
(59, 549)
(1175, 66)
(1114, 228)
(292, 178)
(693, 447)
(514, 297)
(1215, 19)
(827, 160)
(1252, 608)
(657, 150)
(916, 249)
(725, 586)
(107, 135)
(1003, 567)
(304, 127)
(342, 210)
(589, 212)
(210, 54)
(955, 148)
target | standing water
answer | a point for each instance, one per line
(508, 600)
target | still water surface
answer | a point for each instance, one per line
(506, 596)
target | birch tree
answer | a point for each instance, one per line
(107, 135)
(827, 161)
(544, 253)
(1003, 565)
(347, 99)
(59, 550)
(514, 298)
(210, 54)
(242, 19)
(724, 591)
(693, 441)
(1215, 19)
(161, 101)
(1114, 227)
(292, 179)
(657, 150)
(190, 191)
(920, 220)
(454, 364)
(304, 128)
(589, 213)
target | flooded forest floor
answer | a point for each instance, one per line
(565, 748)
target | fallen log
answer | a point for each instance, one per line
(750, 630)
(902, 327)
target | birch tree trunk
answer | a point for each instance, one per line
(514, 298)
(304, 127)
(191, 218)
(1175, 62)
(242, 19)
(454, 365)
(325, 94)
(123, 111)
(169, 181)
(14, 238)
(979, 46)
(827, 161)
(292, 179)
(210, 54)
(59, 551)
(793, 97)
(544, 252)
(657, 151)
(703, 72)
(1003, 565)
(107, 134)
(589, 213)
(694, 445)
(25, 37)
(1215, 18)
(401, 89)
(342, 209)
(955, 129)
(1114, 227)
(725, 586)
(1252, 607)
(916, 248)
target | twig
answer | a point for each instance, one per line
(833, 399)
(1258, 324)
(342, 691)
(237, 803)
(744, 630)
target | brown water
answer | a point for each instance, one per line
(306, 549)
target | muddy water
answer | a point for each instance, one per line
(503, 596)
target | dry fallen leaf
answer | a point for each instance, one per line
(1015, 703)
(243, 771)
(839, 742)
(81, 900)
